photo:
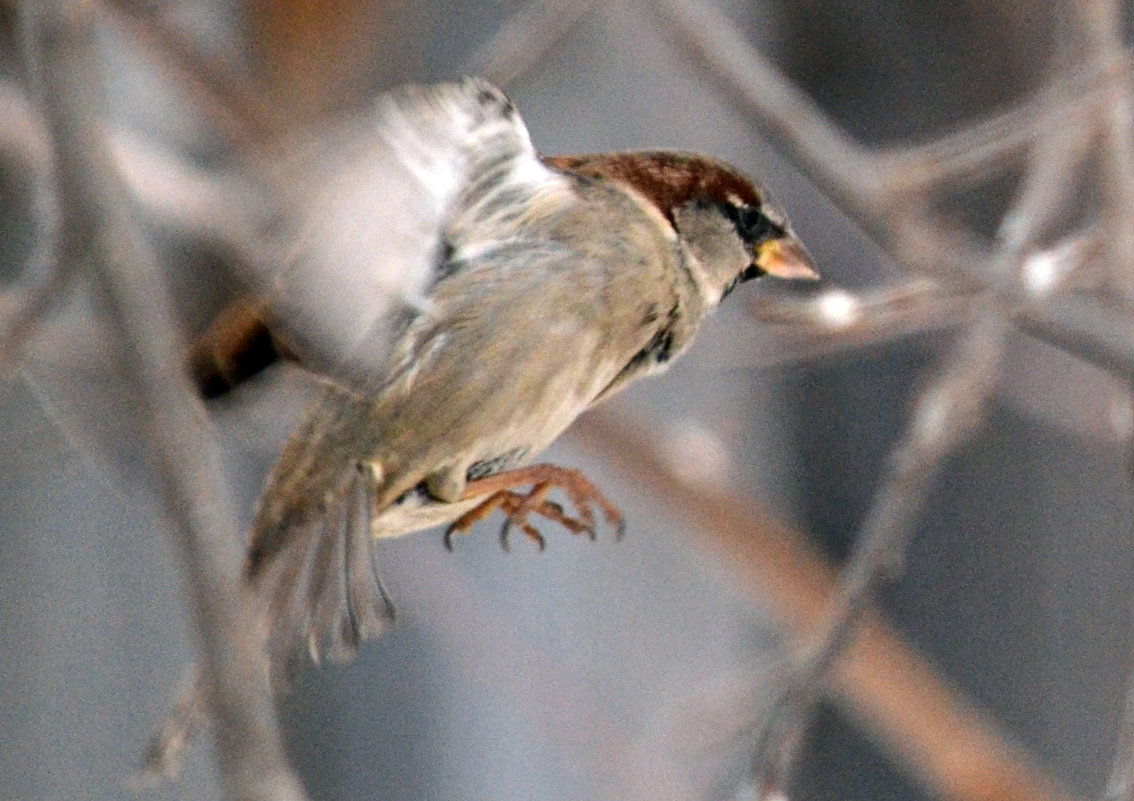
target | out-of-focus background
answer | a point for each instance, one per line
(632, 669)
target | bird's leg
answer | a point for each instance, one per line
(499, 492)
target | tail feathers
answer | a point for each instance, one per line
(321, 585)
(323, 597)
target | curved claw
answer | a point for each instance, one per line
(499, 493)
(529, 530)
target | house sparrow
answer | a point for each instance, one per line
(551, 283)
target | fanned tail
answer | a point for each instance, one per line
(321, 586)
(310, 559)
(316, 579)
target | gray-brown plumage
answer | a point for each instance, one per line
(555, 283)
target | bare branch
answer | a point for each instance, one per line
(887, 190)
(216, 89)
(967, 155)
(1101, 23)
(523, 41)
(935, 736)
(1120, 782)
(249, 746)
(834, 321)
(946, 414)
(821, 147)
(24, 306)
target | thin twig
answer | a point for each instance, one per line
(821, 148)
(884, 190)
(1101, 22)
(943, 419)
(249, 746)
(46, 272)
(861, 180)
(835, 321)
(525, 39)
(225, 97)
(967, 155)
(945, 416)
(1120, 781)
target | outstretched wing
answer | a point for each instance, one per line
(367, 204)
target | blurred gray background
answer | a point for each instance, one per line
(592, 670)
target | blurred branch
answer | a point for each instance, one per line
(945, 415)
(1097, 330)
(96, 215)
(222, 210)
(890, 192)
(312, 57)
(1078, 318)
(1101, 22)
(834, 321)
(525, 38)
(870, 181)
(23, 306)
(886, 190)
(968, 154)
(216, 90)
(1120, 782)
(791, 116)
(935, 736)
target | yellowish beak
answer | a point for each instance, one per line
(786, 257)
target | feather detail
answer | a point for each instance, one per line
(321, 585)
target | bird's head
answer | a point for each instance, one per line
(728, 222)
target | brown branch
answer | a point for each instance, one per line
(933, 733)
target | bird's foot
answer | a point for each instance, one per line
(499, 492)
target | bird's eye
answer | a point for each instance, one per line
(752, 224)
